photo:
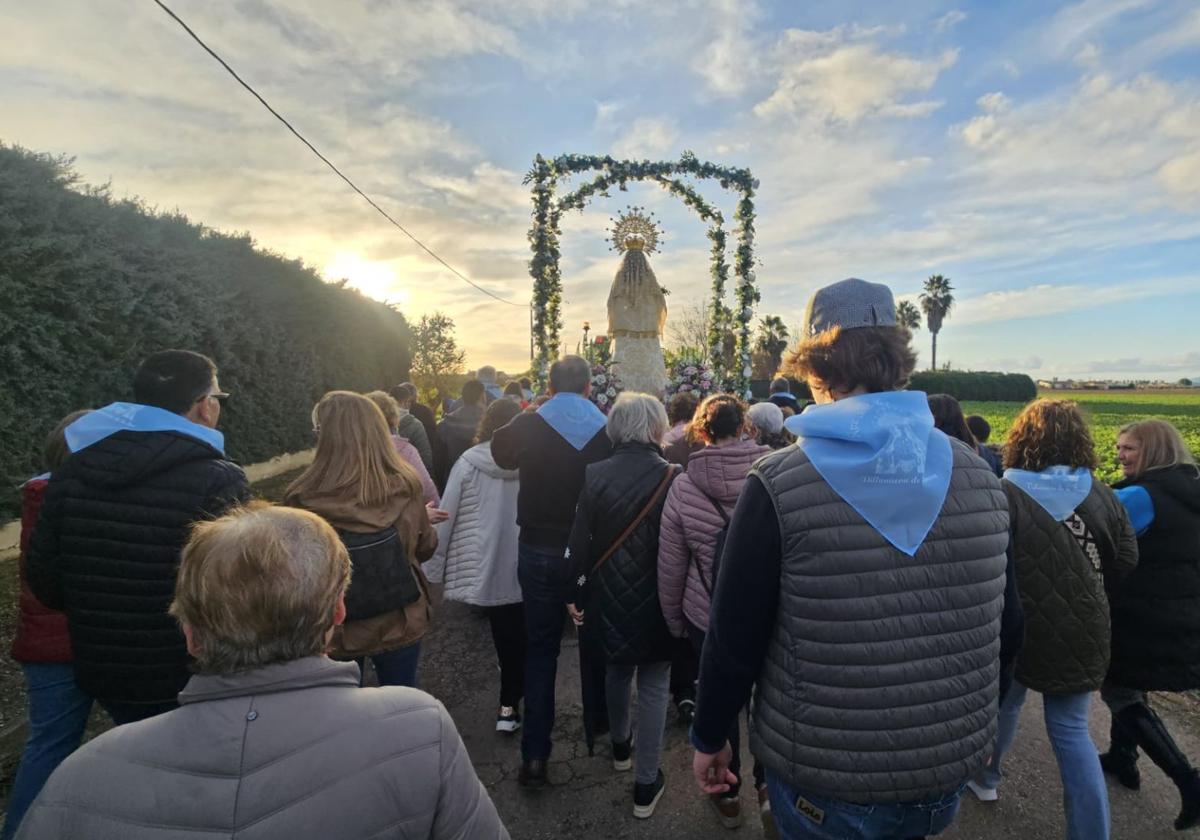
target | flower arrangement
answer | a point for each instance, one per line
(695, 377)
(606, 385)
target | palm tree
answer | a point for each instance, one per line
(937, 297)
(772, 339)
(908, 316)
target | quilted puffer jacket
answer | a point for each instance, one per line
(621, 599)
(476, 555)
(1066, 647)
(106, 551)
(1156, 611)
(690, 525)
(294, 750)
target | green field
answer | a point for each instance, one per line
(1107, 411)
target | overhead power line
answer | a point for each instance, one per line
(326, 160)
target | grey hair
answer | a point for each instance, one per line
(637, 418)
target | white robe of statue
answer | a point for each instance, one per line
(637, 312)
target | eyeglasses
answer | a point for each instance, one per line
(219, 396)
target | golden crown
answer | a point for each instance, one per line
(635, 230)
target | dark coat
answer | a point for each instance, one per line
(1156, 610)
(1066, 648)
(457, 432)
(621, 598)
(786, 401)
(106, 552)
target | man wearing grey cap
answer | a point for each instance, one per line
(861, 592)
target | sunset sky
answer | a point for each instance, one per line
(1045, 157)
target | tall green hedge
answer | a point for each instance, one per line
(90, 285)
(975, 385)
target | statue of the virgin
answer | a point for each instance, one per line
(637, 308)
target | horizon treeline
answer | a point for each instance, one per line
(90, 285)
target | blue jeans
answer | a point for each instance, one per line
(1085, 797)
(395, 667)
(544, 576)
(829, 819)
(58, 713)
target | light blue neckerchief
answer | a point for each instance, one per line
(882, 455)
(95, 426)
(1059, 490)
(574, 417)
(493, 390)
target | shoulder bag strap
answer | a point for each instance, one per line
(708, 585)
(637, 520)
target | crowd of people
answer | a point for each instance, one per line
(861, 579)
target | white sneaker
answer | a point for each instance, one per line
(508, 719)
(983, 794)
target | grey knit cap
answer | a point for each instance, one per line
(849, 304)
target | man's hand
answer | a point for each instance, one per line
(576, 614)
(712, 770)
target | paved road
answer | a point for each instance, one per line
(588, 800)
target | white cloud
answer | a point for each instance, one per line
(1046, 299)
(949, 20)
(828, 77)
(648, 137)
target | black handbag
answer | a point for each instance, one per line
(381, 578)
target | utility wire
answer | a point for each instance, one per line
(326, 160)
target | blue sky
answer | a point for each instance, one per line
(1046, 157)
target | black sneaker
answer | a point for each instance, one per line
(622, 753)
(645, 797)
(687, 711)
(533, 773)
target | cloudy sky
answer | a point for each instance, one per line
(1046, 157)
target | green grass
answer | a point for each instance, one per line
(1107, 411)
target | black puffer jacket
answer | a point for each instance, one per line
(621, 598)
(1156, 612)
(1066, 647)
(106, 551)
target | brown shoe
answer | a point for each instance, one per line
(728, 808)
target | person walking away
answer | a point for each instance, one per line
(390, 409)
(613, 552)
(272, 738)
(766, 425)
(695, 519)
(1156, 610)
(514, 392)
(359, 485)
(416, 422)
(487, 377)
(476, 556)
(781, 395)
(527, 388)
(982, 430)
(57, 710)
(116, 514)
(679, 412)
(1071, 539)
(867, 561)
(457, 429)
(948, 416)
(549, 448)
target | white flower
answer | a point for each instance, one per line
(612, 392)
(601, 398)
(600, 379)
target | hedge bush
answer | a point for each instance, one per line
(90, 285)
(975, 385)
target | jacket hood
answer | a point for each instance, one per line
(126, 458)
(342, 510)
(1181, 483)
(720, 471)
(480, 457)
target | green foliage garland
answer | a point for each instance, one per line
(544, 234)
(91, 285)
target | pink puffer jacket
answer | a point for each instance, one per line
(690, 525)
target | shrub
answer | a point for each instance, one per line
(975, 385)
(91, 285)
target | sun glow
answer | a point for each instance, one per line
(375, 279)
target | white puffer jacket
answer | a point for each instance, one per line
(477, 546)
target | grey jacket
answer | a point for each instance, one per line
(879, 684)
(295, 750)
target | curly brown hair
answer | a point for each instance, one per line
(1050, 433)
(873, 358)
(718, 417)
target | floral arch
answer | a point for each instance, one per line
(548, 209)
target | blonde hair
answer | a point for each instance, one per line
(637, 418)
(1160, 446)
(258, 586)
(355, 454)
(388, 405)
